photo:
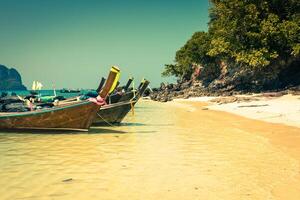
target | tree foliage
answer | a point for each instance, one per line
(252, 34)
(255, 33)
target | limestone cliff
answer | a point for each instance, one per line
(10, 79)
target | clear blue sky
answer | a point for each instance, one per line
(72, 43)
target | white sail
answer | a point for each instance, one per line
(54, 91)
(33, 85)
(39, 85)
(36, 85)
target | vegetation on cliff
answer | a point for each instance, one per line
(250, 45)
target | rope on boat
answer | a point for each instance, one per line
(109, 100)
(110, 124)
(150, 88)
(131, 100)
(132, 107)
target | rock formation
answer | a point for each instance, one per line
(10, 79)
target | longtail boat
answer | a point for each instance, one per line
(114, 113)
(123, 96)
(100, 84)
(76, 116)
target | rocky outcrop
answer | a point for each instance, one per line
(10, 79)
(186, 89)
(230, 78)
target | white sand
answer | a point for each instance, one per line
(285, 109)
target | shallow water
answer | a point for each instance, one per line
(163, 151)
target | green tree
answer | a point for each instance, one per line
(255, 33)
(258, 35)
(193, 52)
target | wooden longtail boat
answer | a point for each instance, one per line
(114, 113)
(100, 85)
(117, 97)
(76, 116)
(68, 116)
(125, 88)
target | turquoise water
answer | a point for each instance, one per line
(45, 93)
(161, 151)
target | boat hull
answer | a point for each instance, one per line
(75, 116)
(113, 113)
(120, 97)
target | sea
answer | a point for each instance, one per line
(160, 151)
(44, 92)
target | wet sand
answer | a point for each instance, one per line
(176, 150)
(266, 155)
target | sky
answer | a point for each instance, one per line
(73, 43)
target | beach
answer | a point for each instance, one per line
(269, 108)
(150, 100)
(174, 150)
(229, 120)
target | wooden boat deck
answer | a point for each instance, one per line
(76, 116)
(44, 110)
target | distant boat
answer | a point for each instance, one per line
(39, 85)
(36, 85)
(64, 90)
(33, 85)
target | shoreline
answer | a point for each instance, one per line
(282, 137)
(176, 150)
(272, 109)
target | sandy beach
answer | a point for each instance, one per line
(250, 138)
(284, 109)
